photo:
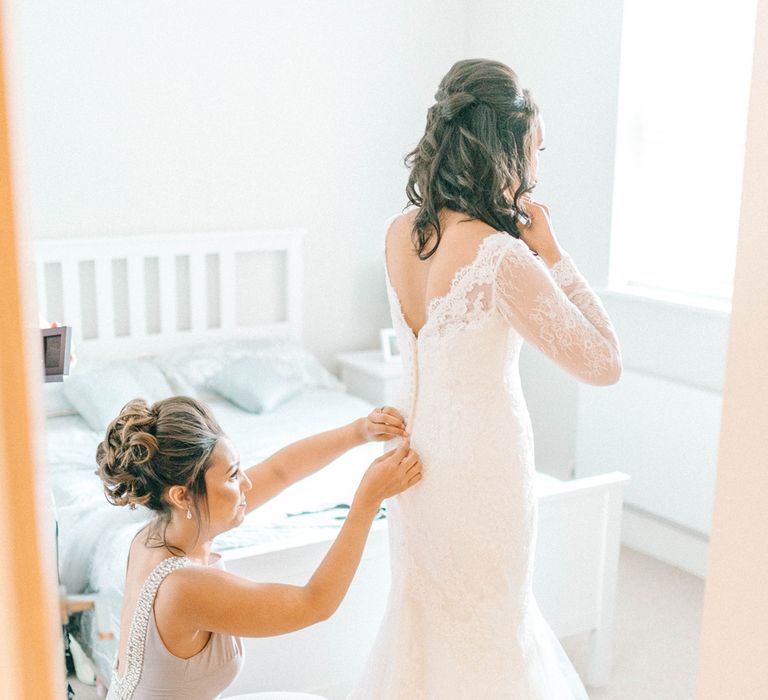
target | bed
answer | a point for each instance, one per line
(181, 305)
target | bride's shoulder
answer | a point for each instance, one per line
(510, 252)
(403, 219)
(514, 246)
(399, 226)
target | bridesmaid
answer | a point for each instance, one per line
(183, 614)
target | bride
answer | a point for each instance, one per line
(473, 269)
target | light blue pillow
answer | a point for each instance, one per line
(255, 385)
(99, 395)
(191, 369)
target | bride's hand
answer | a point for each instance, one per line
(538, 235)
(382, 423)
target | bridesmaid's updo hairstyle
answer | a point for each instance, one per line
(148, 449)
(478, 146)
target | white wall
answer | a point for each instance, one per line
(148, 117)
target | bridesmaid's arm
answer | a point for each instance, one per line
(214, 600)
(305, 457)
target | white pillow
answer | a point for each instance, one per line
(190, 370)
(99, 395)
(253, 384)
(54, 401)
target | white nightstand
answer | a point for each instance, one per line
(370, 377)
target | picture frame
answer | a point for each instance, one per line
(389, 347)
(57, 344)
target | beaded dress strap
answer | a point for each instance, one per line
(134, 655)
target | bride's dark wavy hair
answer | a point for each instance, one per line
(477, 147)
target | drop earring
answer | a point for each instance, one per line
(189, 514)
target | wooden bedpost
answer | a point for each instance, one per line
(30, 645)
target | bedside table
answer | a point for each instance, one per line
(367, 375)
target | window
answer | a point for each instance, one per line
(683, 98)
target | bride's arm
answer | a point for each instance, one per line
(305, 457)
(555, 309)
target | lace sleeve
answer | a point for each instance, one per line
(556, 310)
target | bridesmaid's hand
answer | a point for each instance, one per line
(382, 423)
(391, 474)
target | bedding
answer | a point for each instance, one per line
(83, 391)
(99, 394)
(54, 401)
(190, 370)
(255, 385)
(94, 535)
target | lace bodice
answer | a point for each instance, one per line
(554, 309)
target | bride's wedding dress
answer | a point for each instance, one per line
(461, 619)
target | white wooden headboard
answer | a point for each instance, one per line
(134, 295)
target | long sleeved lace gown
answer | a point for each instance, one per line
(461, 620)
